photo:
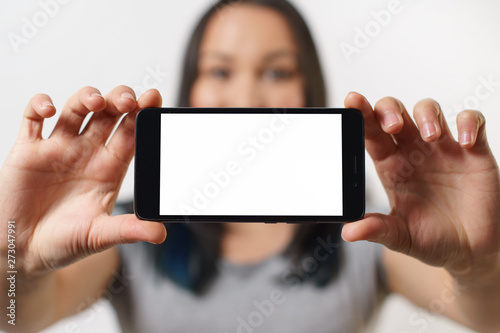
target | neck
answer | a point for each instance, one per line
(247, 243)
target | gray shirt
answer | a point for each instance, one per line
(249, 298)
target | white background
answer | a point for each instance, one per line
(438, 49)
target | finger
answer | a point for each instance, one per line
(378, 144)
(471, 129)
(108, 231)
(79, 105)
(387, 230)
(119, 101)
(395, 120)
(39, 108)
(430, 121)
(122, 144)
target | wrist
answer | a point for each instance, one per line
(485, 271)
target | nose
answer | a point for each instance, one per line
(244, 91)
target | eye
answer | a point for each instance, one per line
(219, 73)
(275, 74)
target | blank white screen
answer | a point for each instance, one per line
(251, 164)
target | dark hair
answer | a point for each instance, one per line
(190, 253)
(309, 65)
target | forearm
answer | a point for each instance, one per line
(30, 304)
(472, 299)
(43, 301)
(27, 299)
(479, 300)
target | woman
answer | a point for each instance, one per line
(60, 192)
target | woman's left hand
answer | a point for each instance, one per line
(444, 194)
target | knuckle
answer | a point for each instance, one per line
(427, 107)
(429, 102)
(123, 88)
(385, 101)
(388, 104)
(36, 105)
(152, 90)
(354, 98)
(467, 114)
(38, 98)
(481, 117)
(88, 90)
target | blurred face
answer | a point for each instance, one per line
(248, 58)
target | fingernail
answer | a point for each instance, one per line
(96, 94)
(47, 104)
(128, 96)
(465, 138)
(429, 129)
(390, 119)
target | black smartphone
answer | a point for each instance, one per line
(249, 165)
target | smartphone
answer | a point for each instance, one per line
(249, 165)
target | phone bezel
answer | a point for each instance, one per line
(147, 166)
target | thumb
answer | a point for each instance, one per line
(108, 231)
(388, 230)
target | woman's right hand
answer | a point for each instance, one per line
(61, 191)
